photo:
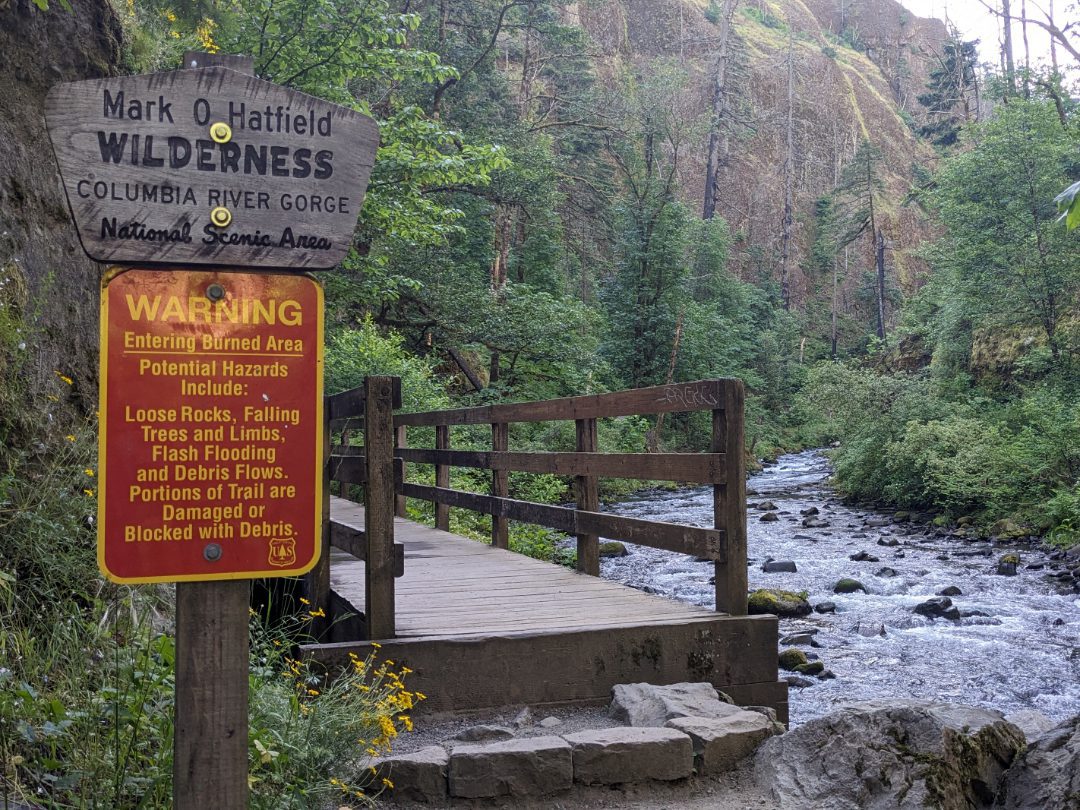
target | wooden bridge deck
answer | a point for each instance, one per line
(482, 626)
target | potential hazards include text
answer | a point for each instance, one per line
(211, 426)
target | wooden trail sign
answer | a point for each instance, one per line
(210, 167)
(211, 426)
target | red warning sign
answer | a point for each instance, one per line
(210, 425)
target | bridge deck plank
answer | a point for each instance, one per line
(454, 586)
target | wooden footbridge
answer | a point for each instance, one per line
(481, 626)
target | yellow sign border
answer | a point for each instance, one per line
(110, 275)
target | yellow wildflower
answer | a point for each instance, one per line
(89, 493)
(64, 378)
(70, 438)
(89, 472)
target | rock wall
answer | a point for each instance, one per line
(858, 66)
(44, 275)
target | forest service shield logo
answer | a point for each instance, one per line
(283, 552)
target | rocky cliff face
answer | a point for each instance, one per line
(857, 67)
(48, 288)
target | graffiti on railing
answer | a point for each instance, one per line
(690, 396)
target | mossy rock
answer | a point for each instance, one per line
(901, 517)
(847, 585)
(1008, 564)
(940, 521)
(776, 602)
(791, 659)
(810, 668)
(613, 548)
(1009, 529)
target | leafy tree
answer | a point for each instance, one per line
(360, 55)
(1003, 258)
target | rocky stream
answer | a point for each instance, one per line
(1012, 642)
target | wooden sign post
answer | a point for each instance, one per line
(211, 403)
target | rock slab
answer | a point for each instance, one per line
(645, 704)
(720, 743)
(419, 776)
(890, 754)
(1047, 775)
(620, 755)
(526, 767)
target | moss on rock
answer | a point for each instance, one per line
(778, 603)
(848, 585)
(791, 659)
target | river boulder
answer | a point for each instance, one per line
(847, 585)
(769, 517)
(613, 548)
(779, 567)
(940, 607)
(1007, 564)
(897, 754)
(951, 590)
(776, 602)
(863, 556)
(792, 658)
(1047, 775)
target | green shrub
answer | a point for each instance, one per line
(355, 353)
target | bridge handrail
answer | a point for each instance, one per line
(676, 397)
(380, 467)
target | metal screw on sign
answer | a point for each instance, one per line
(221, 216)
(215, 292)
(212, 552)
(220, 132)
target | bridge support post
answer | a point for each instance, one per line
(729, 498)
(588, 499)
(379, 506)
(401, 439)
(442, 478)
(500, 485)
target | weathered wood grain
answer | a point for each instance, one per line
(694, 468)
(346, 404)
(442, 477)
(729, 500)
(707, 543)
(353, 541)
(693, 396)
(142, 172)
(210, 740)
(379, 506)
(500, 485)
(586, 494)
(351, 469)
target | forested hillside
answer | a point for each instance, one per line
(848, 207)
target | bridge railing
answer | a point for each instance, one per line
(723, 467)
(369, 411)
(379, 467)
